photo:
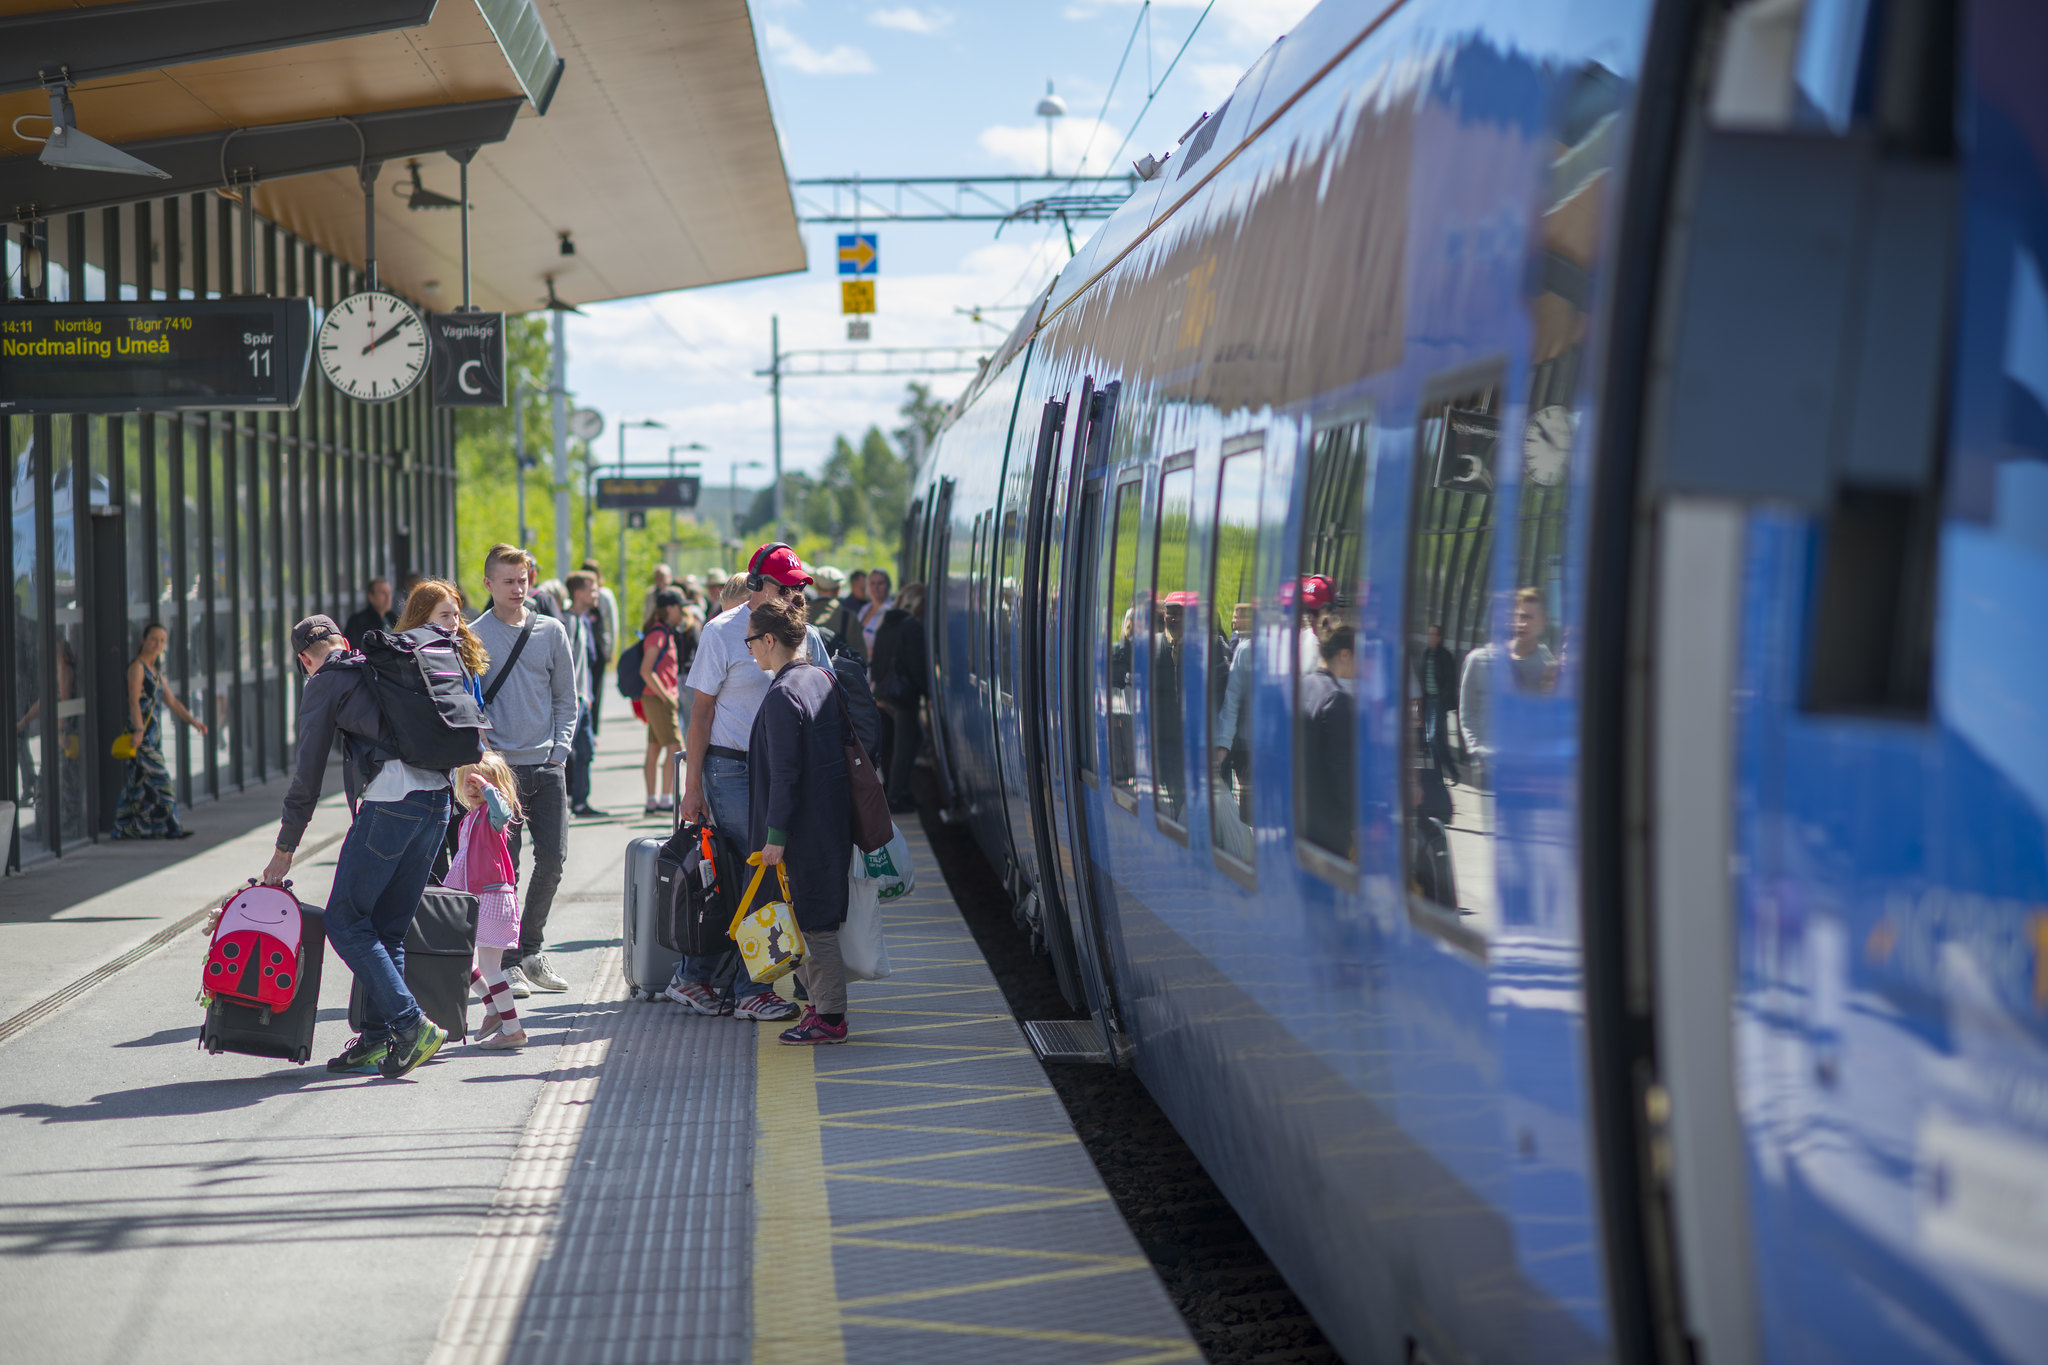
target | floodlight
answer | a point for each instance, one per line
(424, 198)
(68, 147)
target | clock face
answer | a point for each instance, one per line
(373, 346)
(1547, 446)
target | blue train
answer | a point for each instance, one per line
(1495, 619)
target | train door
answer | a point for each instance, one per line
(1843, 732)
(938, 569)
(1044, 770)
(1075, 735)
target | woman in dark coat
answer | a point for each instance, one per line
(902, 687)
(801, 805)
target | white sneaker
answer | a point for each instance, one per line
(541, 974)
(517, 980)
(667, 800)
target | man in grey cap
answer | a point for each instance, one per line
(401, 817)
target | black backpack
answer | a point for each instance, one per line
(698, 876)
(631, 685)
(431, 718)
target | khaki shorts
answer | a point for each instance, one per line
(661, 719)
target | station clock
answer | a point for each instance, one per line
(373, 346)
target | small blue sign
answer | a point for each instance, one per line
(858, 254)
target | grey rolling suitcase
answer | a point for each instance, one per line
(648, 965)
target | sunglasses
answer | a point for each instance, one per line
(751, 638)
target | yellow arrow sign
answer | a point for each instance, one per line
(861, 254)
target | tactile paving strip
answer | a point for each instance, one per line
(966, 1220)
(621, 1232)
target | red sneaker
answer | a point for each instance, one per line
(812, 1029)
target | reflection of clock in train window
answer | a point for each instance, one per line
(373, 346)
(1547, 446)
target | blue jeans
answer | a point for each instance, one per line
(727, 793)
(384, 866)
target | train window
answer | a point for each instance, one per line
(1176, 616)
(1328, 653)
(1233, 588)
(1453, 624)
(1081, 713)
(1122, 623)
(1006, 605)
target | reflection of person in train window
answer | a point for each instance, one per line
(1326, 709)
(1233, 736)
(1436, 672)
(1535, 668)
(1529, 660)
(1313, 598)
(1169, 653)
(1120, 652)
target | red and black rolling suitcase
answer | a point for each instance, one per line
(268, 1030)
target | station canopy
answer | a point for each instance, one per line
(639, 131)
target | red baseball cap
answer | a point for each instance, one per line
(1315, 592)
(780, 563)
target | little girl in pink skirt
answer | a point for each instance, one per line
(483, 867)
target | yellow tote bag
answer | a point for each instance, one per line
(124, 745)
(769, 941)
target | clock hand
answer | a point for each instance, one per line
(389, 333)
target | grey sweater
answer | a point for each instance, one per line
(533, 716)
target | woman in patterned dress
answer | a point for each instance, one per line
(148, 809)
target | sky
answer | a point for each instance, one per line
(881, 89)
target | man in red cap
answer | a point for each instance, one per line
(729, 687)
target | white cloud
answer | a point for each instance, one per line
(1024, 147)
(907, 19)
(798, 55)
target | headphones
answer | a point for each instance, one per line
(756, 580)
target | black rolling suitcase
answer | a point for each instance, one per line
(439, 949)
(232, 1027)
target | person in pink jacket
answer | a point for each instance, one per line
(489, 793)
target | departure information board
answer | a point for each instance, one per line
(154, 356)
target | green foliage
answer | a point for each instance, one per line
(487, 488)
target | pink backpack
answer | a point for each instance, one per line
(254, 959)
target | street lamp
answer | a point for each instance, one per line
(732, 503)
(674, 469)
(589, 500)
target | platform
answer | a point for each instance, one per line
(639, 1184)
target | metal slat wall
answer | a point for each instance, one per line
(227, 527)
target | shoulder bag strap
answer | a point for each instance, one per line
(518, 648)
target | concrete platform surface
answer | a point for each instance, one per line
(638, 1184)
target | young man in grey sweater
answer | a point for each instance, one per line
(530, 697)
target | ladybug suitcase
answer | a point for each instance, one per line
(261, 1031)
(254, 957)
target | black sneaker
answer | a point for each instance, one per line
(589, 812)
(360, 1058)
(411, 1047)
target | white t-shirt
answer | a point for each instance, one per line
(397, 780)
(871, 621)
(725, 670)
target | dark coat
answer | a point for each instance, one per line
(801, 794)
(365, 621)
(909, 666)
(888, 643)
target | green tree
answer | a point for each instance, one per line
(487, 489)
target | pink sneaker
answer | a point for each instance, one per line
(812, 1029)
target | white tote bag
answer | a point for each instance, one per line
(861, 943)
